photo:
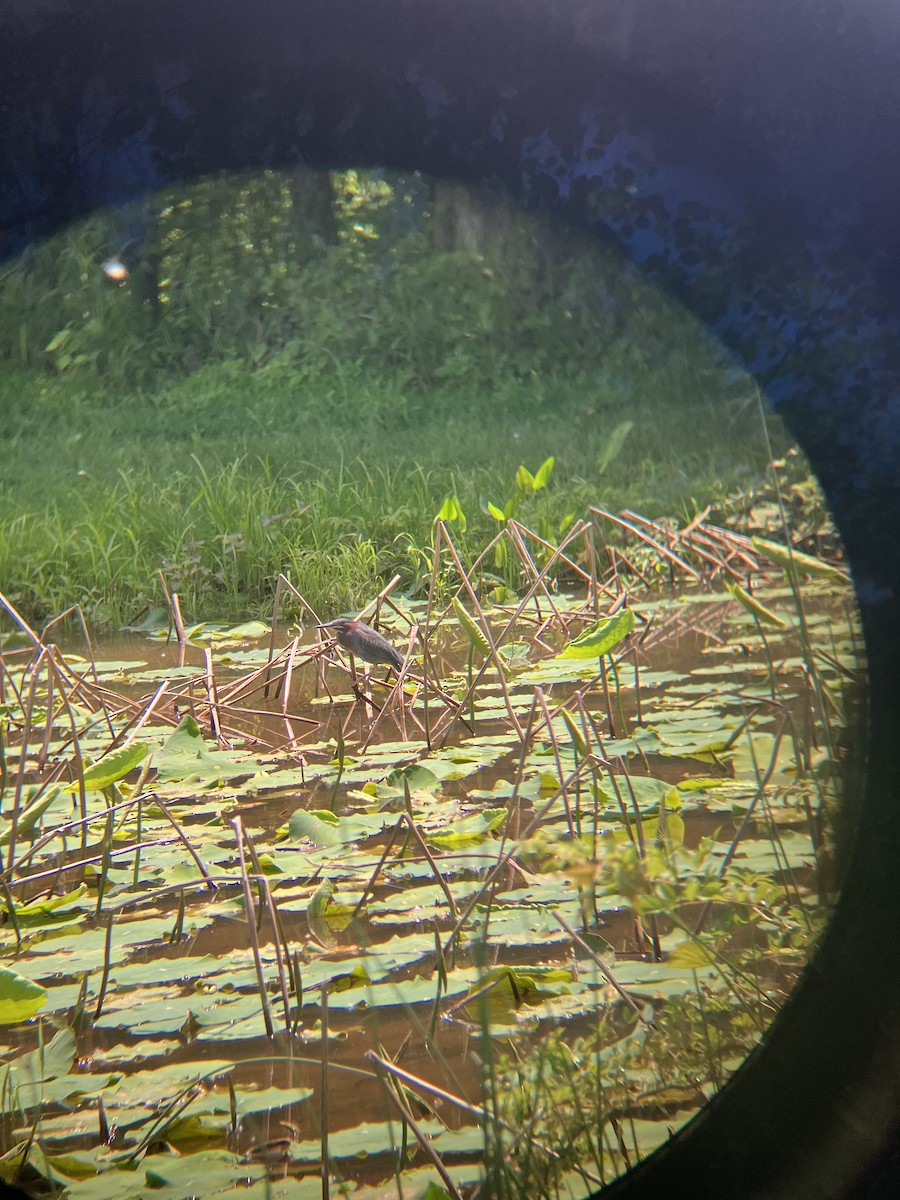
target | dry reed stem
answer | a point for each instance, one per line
(375, 605)
(276, 608)
(504, 858)
(691, 538)
(147, 713)
(252, 682)
(441, 881)
(324, 1085)
(551, 733)
(94, 859)
(579, 571)
(61, 831)
(107, 963)
(478, 1111)
(645, 537)
(27, 722)
(742, 828)
(164, 809)
(498, 663)
(212, 698)
(279, 939)
(76, 608)
(283, 583)
(179, 629)
(20, 621)
(483, 555)
(368, 888)
(604, 969)
(531, 567)
(289, 674)
(407, 1117)
(512, 805)
(238, 828)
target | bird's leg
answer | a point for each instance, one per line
(357, 690)
(361, 695)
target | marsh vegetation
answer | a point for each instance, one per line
(498, 922)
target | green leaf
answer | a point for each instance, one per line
(451, 510)
(325, 828)
(575, 733)
(322, 828)
(42, 1076)
(614, 444)
(691, 953)
(156, 619)
(672, 800)
(753, 606)
(544, 471)
(209, 1173)
(784, 558)
(435, 1192)
(653, 831)
(472, 629)
(524, 480)
(697, 783)
(58, 339)
(48, 906)
(320, 899)
(490, 509)
(112, 768)
(20, 999)
(469, 830)
(258, 1100)
(602, 637)
(32, 813)
(244, 632)
(669, 825)
(184, 757)
(50, 1061)
(419, 778)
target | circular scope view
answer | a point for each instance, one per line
(428, 679)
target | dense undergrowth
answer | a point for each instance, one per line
(257, 398)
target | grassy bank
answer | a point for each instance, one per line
(260, 403)
(222, 482)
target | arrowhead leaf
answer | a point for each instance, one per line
(473, 631)
(602, 637)
(112, 768)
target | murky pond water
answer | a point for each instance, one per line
(273, 908)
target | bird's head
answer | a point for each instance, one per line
(339, 623)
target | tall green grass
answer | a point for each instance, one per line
(89, 514)
(309, 414)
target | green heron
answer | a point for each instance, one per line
(364, 642)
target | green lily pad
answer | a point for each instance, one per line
(20, 999)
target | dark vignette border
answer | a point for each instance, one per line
(744, 156)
